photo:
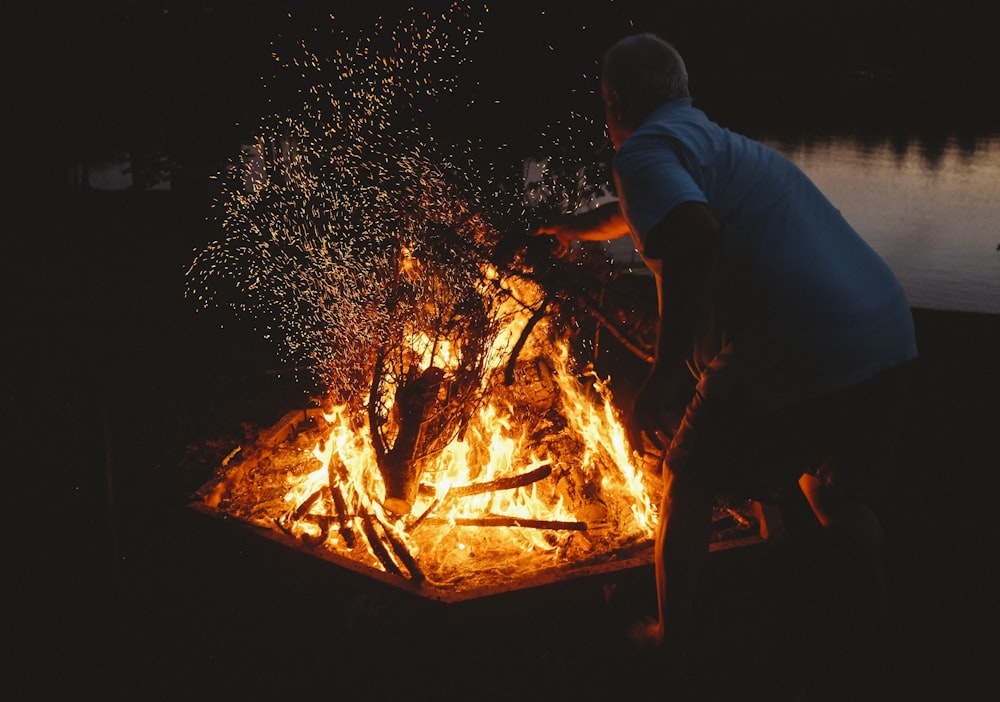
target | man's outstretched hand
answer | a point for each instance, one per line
(599, 224)
(561, 237)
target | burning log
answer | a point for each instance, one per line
(378, 548)
(507, 483)
(335, 473)
(403, 555)
(399, 468)
(535, 388)
(502, 521)
(378, 535)
(306, 505)
(536, 316)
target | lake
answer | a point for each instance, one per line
(931, 211)
(933, 214)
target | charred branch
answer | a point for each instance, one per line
(399, 467)
(507, 483)
(337, 476)
(501, 521)
(617, 333)
(536, 316)
(374, 425)
(403, 554)
(307, 505)
(378, 548)
(345, 531)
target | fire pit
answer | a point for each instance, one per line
(574, 507)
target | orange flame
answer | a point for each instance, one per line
(594, 497)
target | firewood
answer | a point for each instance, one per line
(307, 505)
(400, 470)
(336, 474)
(430, 508)
(374, 423)
(378, 548)
(506, 483)
(617, 333)
(282, 528)
(502, 521)
(536, 316)
(403, 554)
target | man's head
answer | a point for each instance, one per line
(641, 72)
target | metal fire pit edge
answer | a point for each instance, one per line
(626, 559)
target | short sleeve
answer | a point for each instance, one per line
(651, 181)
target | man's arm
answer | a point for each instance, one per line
(599, 224)
(687, 242)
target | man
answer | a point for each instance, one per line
(798, 333)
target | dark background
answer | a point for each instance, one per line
(113, 385)
(191, 79)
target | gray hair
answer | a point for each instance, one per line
(646, 71)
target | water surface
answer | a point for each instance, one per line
(933, 213)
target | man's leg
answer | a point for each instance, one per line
(681, 548)
(851, 519)
(837, 603)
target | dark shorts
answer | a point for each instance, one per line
(849, 440)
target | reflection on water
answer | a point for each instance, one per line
(933, 212)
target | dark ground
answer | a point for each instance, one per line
(122, 592)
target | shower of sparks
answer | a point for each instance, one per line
(366, 247)
(346, 218)
(393, 265)
(332, 210)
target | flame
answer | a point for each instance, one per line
(333, 227)
(593, 496)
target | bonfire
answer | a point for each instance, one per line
(460, 440)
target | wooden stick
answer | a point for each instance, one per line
(508, 374)
(307, 505)
(374, 429)
(376, 543)
(335, 476)
(403, 554)
(617, 333)
(416, 522)
(282, 528)
(507, 483)
(501, 521)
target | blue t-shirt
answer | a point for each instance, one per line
(808, 306)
